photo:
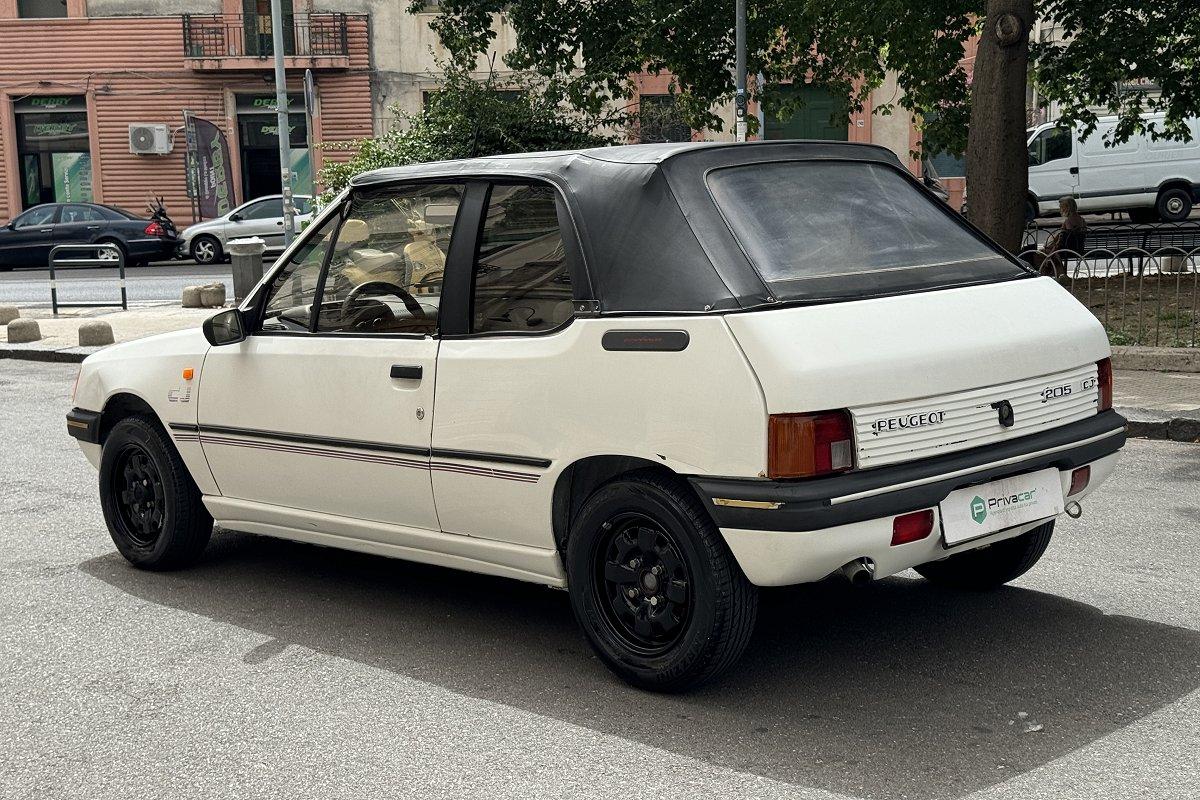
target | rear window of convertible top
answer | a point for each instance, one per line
(816, 229)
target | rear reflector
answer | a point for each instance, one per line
(1104, 384)
(1079, 480)
(912, 527)
(803, 445)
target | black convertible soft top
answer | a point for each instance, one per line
(654, 239)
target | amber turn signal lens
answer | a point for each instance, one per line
(188, 373)
(804, 445)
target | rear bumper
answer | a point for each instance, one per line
(759, 504)
(156, 248)
(782, 558)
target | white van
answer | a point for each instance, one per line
(658, 376)
(1147, 179)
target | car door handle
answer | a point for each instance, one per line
(280, 223)
(1074, 170)
(407, 372)
(46, 230)
(93, 227)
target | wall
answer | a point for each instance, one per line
(132, 69)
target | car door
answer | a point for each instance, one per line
(1053, 165)
(490, 455)
(27, 240)
(263, 219)
(78, 224)
(327, 406)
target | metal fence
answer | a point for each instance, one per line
(238, 35)
(1142, 295)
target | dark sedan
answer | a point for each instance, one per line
(26, 240)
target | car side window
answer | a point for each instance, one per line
(267, 209)
(1051, 144)
(385, 274)
(290, 299)
(521, 282)
(80, 214)
(43, 215)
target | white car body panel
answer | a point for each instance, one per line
(1115, 178)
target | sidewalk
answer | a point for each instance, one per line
(1159, 405)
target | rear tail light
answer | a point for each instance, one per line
(804, 445)
(1104, 383)
(912, 527)
(1079, 480)
(154, 229)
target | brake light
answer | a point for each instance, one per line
(912, 527)
(1104, 382)
(803, 445)
(154, 229)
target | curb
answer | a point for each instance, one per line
(1157, 359)
(73, 355)
(1143, 424)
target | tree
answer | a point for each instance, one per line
(466, 118)
(848, 48)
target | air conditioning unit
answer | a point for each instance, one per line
(149, 139)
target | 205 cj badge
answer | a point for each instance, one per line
(183, 395)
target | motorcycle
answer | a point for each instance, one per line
(158, 213)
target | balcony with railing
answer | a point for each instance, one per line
(243, 41)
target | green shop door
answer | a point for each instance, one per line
(821, 117)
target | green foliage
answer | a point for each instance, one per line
(468, 118)
(847, 47)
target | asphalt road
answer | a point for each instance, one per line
(156, 283)
(283, 670)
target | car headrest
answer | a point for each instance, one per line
(354, 231)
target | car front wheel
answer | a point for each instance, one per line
(654, 586)
(206, 250)
(993, 565)
(153, 509)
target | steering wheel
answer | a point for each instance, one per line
(409, 301)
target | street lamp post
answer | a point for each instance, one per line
(739, 99)
(284, 129)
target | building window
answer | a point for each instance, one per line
(659, 120)
(41, 9)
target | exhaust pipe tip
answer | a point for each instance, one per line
(859, 572)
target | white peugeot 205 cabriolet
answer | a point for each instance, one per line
(659, 376)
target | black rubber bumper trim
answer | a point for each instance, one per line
(84, 425)
(807, 507)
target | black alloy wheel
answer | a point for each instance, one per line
(653, 584)
(138, 487)
(154, 510)
(642, 583)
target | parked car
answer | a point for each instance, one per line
(207, 242)
(1150, 180)
(658, 376)
(27, 240)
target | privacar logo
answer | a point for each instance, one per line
(978, 509)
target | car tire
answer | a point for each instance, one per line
(106, 255)
(688, 622)
(206, 250)
(991, 566)
(152, 506)
(1174, 204)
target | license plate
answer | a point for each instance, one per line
(979, 510)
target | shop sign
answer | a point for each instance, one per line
(72, 177)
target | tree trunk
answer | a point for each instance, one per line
(997, 160)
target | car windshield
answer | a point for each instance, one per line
(815, 229)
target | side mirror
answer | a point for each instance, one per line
(224, 328)
(236, 217)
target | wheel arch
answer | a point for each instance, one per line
(581, 478)
(1177, 183)
(122, 404)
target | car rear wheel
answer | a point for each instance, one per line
(1174, 204)
(206, 250)
(654, 586)
(106, 253)
(153, 509)
(993, 565)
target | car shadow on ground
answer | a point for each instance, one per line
(895, 689)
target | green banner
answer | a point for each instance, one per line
(302, 178)
(72, 177)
